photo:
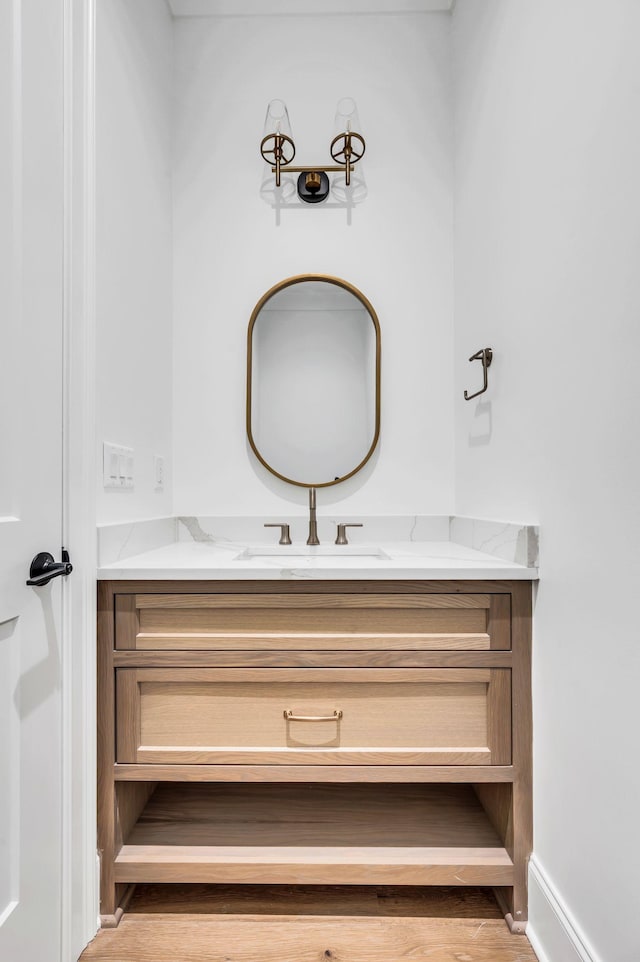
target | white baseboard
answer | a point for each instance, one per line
(553, 932)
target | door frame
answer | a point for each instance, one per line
(80, 874)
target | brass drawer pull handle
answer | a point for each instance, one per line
(337, 715)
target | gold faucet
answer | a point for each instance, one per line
(313, 527)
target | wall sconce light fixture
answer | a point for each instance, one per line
(347, 148)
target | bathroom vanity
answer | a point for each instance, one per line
(321, 712)
(337, 723)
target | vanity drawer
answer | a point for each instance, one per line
(458, 716)
(312, 622)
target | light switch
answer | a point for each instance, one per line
(117, 466)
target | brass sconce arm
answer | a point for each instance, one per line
(281, 148)
(347, 149)
(308, 170)
(486, 356)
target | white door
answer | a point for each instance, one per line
(31, 291)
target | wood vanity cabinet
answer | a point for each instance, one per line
(369, 732)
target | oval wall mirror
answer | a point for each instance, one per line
(313, 380)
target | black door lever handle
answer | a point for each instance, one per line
(44, 568)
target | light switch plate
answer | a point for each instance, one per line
(158, 472)
(117, 466)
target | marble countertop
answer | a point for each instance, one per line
(395, 560)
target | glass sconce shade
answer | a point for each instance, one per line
(347, 132)
(277, 119)
(347, 118)
(277, 136)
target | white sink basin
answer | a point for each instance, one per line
(295, 552)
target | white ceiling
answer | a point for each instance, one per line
(226, 8)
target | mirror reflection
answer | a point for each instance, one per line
(313, 380)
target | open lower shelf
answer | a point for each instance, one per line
(314, 834)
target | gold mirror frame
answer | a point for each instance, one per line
(289, 282)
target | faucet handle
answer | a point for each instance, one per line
(285, 536)
(342, 532)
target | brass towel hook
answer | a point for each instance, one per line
(486, 356)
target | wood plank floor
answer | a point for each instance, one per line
(204, 923)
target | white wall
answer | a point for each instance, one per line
(229, 248)
(546, 265)
(134, 238)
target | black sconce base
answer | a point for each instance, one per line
(313, 189)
